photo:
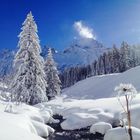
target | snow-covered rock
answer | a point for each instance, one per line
(42, 129)
(100, 127)
(78, 121)
(120, 133)
(82, 113)
(77, 117)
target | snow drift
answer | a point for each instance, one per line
(103, 85)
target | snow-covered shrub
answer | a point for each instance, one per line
(78, 121)
(129, 92)
(126, 90)
(9, 107)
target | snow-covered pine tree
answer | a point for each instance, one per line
(52, 78)
(125, 57)
(29, 84)
(116, 59)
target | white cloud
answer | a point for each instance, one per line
(83, 30)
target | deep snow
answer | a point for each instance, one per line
(102, 86)
(80, 111)
(120, 133)
(100, 114)
(24, 122)
(100, 127)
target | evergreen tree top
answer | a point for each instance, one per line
(29, 22)
(49, 53)
(28, 37)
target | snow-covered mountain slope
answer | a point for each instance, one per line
(80, 52)
(103, 86)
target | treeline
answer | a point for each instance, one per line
(113, 61)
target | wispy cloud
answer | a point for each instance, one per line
(83, 30)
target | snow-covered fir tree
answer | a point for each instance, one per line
(29, 84)
(125, 56)
(52, 78)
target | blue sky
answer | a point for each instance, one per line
(109, 21)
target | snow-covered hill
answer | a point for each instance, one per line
(103, 86)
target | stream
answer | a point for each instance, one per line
(80, 134)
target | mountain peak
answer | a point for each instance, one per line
(86, 42)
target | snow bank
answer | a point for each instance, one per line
(42, 129)
(23, 122)
(135, 115)
(81, 120)
(17, 127)
(18, 120)
(78, 120)
(102, 86)
(100, 127)
(10, 131)
(26, 122)
(82, 113)
(121, 134)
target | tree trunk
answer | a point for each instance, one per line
(129, 119)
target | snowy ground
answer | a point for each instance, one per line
(100, 114)
(79, 107)
(120, 133)
(91, 102)
(23, 122)
(83, 113)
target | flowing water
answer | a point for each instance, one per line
(82, 134)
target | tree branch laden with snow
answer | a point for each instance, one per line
(29, 84)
